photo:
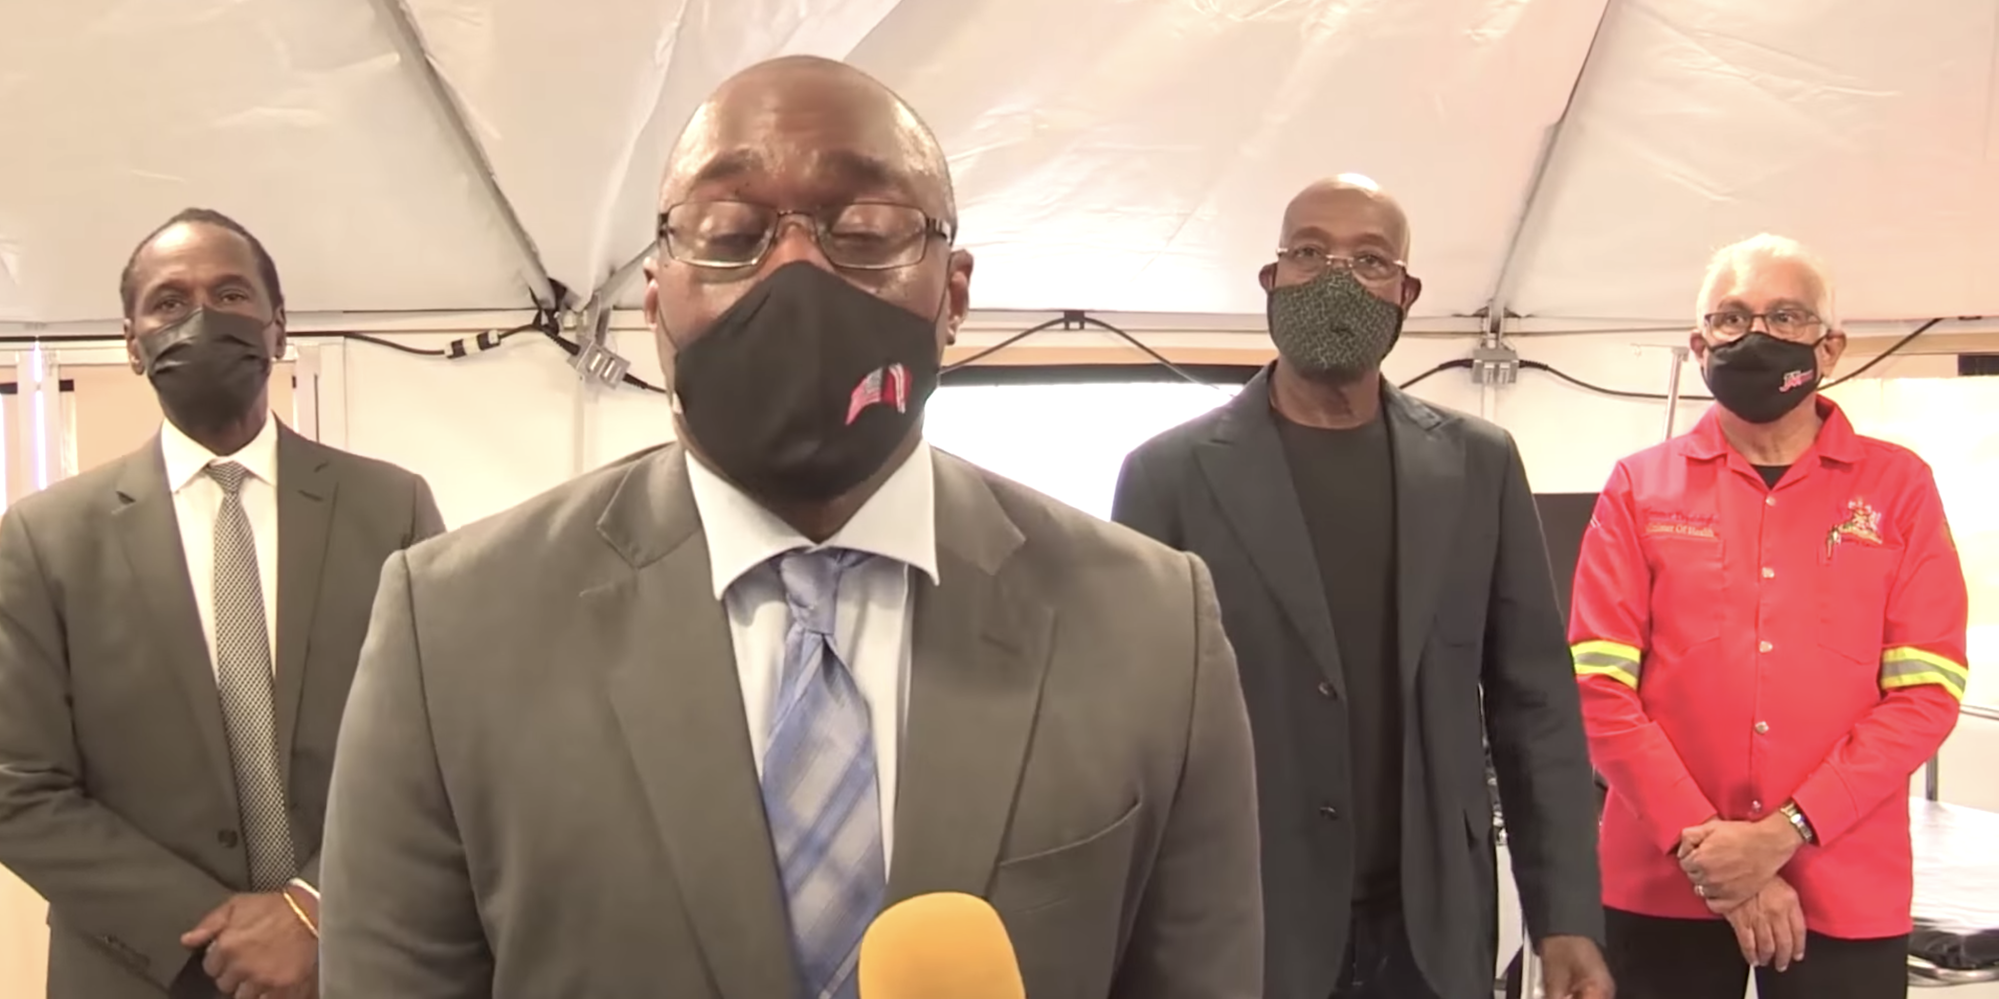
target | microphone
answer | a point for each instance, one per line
(944, 945)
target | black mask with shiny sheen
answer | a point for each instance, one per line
(1761, 378)
(806, 386)
(208, 369)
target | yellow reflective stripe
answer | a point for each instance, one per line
(1905, 666)
(1618, 662)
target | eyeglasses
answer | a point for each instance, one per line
(1366, 266)
(1780, 322)
(865, 236)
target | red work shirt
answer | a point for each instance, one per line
(1740, 647)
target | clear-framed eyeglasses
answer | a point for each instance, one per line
(862, 236)
(1312, 261)
(1787, 324)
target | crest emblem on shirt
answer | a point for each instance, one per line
(1862, 524)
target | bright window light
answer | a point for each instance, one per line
(1065, 440)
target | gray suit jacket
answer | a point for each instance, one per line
(117, 801)
(545, 787)
(1482, 649)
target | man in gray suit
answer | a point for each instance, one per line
(1383, 578)
(683, 726)
(178, 629)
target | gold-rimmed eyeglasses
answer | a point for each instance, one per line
(1313, 261)
(864, 235)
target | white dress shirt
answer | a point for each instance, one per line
(197, 501)
(873, 619)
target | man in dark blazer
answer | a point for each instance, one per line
(1382, 576)
(684, 726)
(178, 629)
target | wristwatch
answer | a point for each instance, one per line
(1799, 822)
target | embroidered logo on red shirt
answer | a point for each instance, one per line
(1682, 525)
(1862, 524)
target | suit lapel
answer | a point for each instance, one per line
(981, 648)
(669, 670)
(1429, 491)
(306, 488)
(1245, 466)
(150, 534)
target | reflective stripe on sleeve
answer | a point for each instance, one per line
(1618, 662)
(1905, 666)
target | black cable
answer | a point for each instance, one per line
(456, 349)
(1884, 355)
(1004, 344)
(1462, 362)
(1157, 357)
(1549, 369)
(1076, 319)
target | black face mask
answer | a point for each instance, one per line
(1761, 378)
(1332, 325)
(208, 368)
(806, 386)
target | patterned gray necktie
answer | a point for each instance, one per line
(820, 790)
(243, 678)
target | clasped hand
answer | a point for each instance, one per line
(1734, 867)
(257, 949)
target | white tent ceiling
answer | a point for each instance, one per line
(1111, 155)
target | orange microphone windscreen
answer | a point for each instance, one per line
(944, 945)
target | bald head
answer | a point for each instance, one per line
(839, 130)
(1348, 204)
(804, 160)
(1345, 218)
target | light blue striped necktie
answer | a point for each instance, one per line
(819, 786)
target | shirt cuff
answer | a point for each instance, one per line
(1826, 804)
(1679, 807)
(302, 885)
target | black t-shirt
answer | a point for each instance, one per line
(1772, 474)
(1345, 481)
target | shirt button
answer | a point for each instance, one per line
(1329, 811)
(1325, 689)
(1755, 806)
(1764, 646)
(1769, 573)
(1769, 501)
(227, 838)
(1762, 727)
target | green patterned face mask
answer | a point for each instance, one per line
(1332, 325)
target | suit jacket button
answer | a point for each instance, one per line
(1329, 811)
(1325, 689)
(228, 838)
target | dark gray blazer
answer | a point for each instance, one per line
(117, 801)
(545, 786)
(1483, 650)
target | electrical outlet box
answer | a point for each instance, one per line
(1495, 365)
(598, 363)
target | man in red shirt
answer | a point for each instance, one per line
(1769, 630)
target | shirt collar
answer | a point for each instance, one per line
(898, 522)
(1836, 440)
(186, 458)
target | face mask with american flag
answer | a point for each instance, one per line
(806, 387)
